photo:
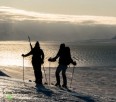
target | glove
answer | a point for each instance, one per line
(51, 59)
(23, 55)
(42, 62)
(74, 63)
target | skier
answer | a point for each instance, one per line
(37, 61)
(64, 60)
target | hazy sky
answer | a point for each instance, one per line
(75, 7)
(45, 19)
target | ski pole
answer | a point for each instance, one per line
(76, 58)
(72, 76)
(45, 75)
(23, 70)
(30, 42)
(49, 73)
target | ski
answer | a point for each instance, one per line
(67, 89)
(42, 87)
(61, 88)
(45, 83)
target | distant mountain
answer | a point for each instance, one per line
(114, 37)
(96, 41)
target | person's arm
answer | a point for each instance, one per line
(54, 58)
(71, 60)
(58, 54)
(28, 54)
(30, 43)
(42, 56)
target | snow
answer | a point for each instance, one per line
(89, 85)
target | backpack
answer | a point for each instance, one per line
(68, 58)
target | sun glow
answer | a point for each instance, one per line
(21, 15)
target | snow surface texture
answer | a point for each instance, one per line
(89, 85)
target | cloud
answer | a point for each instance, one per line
(17, 24)
(20, 15)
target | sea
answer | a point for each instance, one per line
(86, 55)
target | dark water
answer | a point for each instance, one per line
(85, 55)
(94, 55)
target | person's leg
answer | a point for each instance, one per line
(64, 68)
(39, 77)
(58, 70)
(35, 73)
(38, 74)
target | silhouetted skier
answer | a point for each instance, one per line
(64, 60)
(37, 61)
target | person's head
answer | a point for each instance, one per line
(67, 49)
(37, 44)
(62, 46)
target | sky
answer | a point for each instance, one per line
(65, 20)
(73, 7)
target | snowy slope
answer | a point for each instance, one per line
(93, 84)
(27, 93)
